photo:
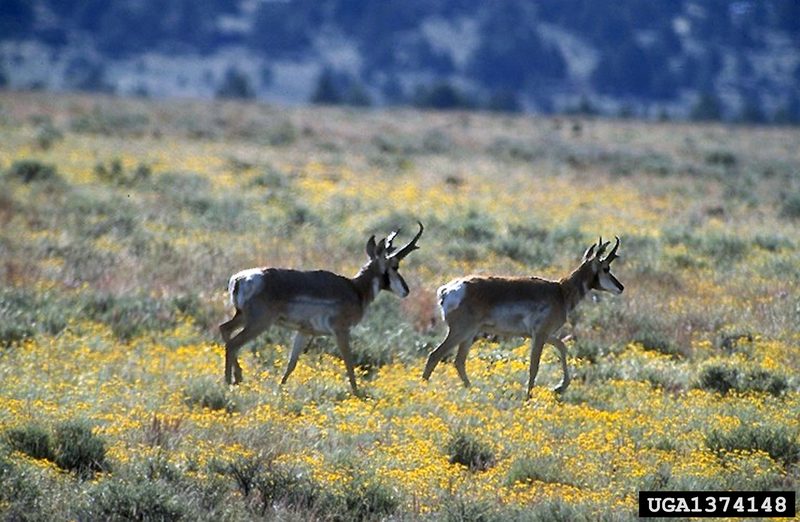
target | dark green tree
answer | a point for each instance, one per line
(707, 108)
(326, 91)
(357, 95)
(442, 96)
(752, 112)
(504, 101)
(235, 84)
(789, 112)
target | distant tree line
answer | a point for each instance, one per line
(646, 51)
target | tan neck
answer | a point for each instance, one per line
(575, 286)
(363, 282)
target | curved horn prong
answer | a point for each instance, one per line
(613, 254)
(410, 246)
(390, 238)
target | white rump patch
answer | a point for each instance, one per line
(450, 296)
(250, 282)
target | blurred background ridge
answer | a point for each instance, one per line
(709, 60)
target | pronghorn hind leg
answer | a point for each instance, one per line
(562, 353)
(300, 342)
(232, 346)
(233, 371)
(227, 328)
(461, 360)
(232, 364)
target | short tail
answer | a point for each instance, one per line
(233, 289)
(440, 293)
(450, 296)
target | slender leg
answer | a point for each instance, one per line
(300, 342)
(454, 337)
(562, 352)
(232, 364)
(232, 347)
(343, 342)
(226, 328)
(461, 359)
(537, 343)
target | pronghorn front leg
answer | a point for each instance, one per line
(343, 342)
(455, 336)
(300, 342)
(562, 352)
(537, 343)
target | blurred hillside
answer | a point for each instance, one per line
(716, 59)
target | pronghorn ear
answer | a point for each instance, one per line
(381, 248)
(371, 247)
(589, 252)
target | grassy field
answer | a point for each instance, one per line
(121, 220)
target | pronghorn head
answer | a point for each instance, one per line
(598, 269)
(384, 260)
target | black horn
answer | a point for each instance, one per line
(410, 246)
(380, 250)
(389, 239)
(613, 254)
(601, 246)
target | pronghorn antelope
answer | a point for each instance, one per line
(310, 302)
(520, 306)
